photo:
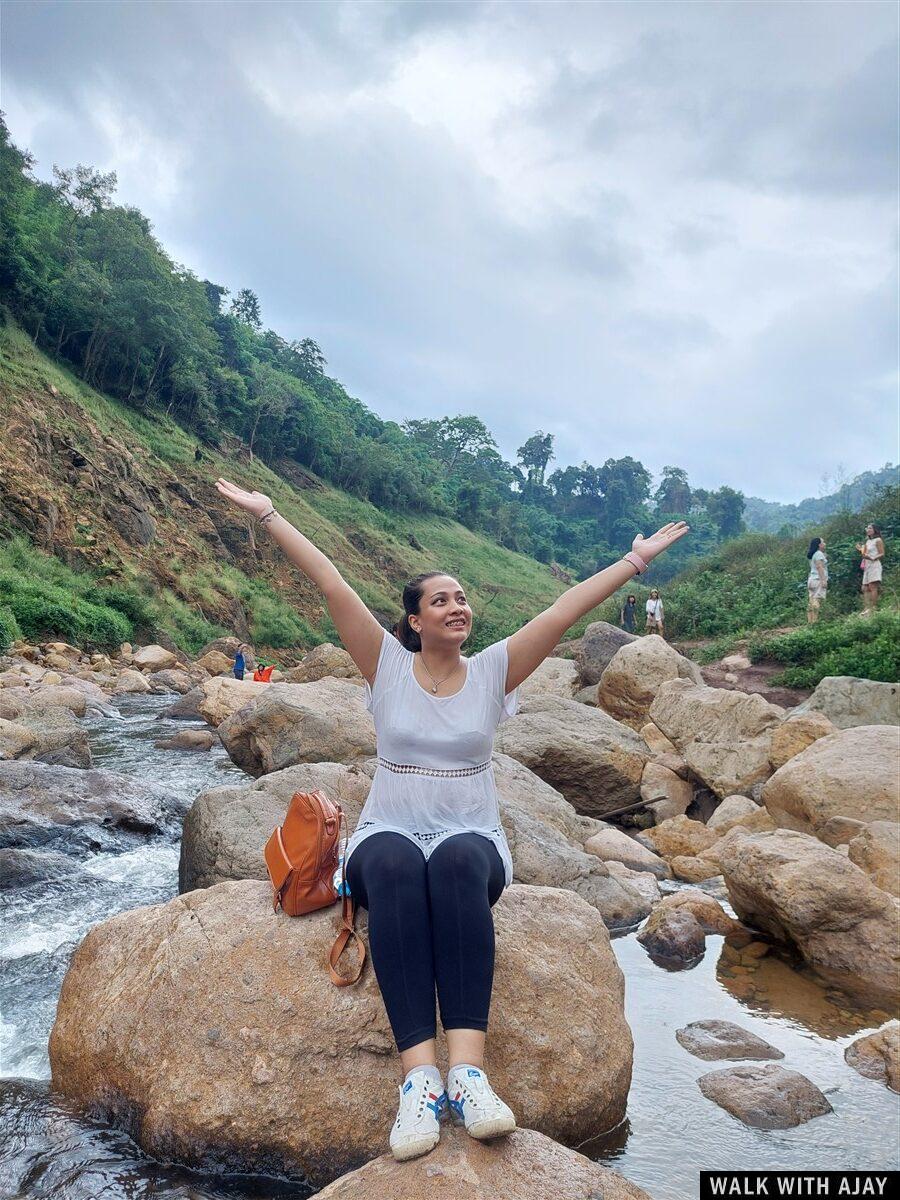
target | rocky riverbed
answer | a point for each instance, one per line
(738, 1056)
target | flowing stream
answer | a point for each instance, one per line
(671, 1130)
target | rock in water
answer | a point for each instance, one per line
(801, 891)
(723, 1039)
(877, 1056)
(766, 1097)
(523, 1166)
(42, 805)
(209, 1028)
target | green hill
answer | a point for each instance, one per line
(110, 528)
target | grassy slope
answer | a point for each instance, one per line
(193, 586)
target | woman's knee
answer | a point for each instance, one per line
(386, 863)
(466, 860)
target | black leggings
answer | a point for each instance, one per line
(430, 922)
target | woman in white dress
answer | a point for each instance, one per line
(817, 579)
(429, 857)
(872, 551)
(655, 614)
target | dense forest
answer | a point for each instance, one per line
(92, 286)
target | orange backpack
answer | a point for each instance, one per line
(301, 859)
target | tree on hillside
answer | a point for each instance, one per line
(534, 456)
(245, 307)
(451, 438)
(726, 509)
(673, 496)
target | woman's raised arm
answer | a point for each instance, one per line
(530, 645)
(358, 629)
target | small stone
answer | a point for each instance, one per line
(765, 1097)
(722, 1039)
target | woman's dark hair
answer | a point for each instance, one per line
(813, 547)
(412, 595)
(631, 600)
(875, 529)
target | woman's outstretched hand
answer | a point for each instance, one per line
(648, 548)
(252, 502)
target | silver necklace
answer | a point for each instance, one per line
(437, 682)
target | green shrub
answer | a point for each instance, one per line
(868, 647)
(9, 629)
(139, 609)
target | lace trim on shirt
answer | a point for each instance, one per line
(454, 773)
(427, 837)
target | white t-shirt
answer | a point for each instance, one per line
(655, 609)
(452, 737)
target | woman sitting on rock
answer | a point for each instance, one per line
(429, 857)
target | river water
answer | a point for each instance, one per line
(671, 1130)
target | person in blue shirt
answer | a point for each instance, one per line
(239, 663)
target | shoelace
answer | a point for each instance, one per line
(414, 1101)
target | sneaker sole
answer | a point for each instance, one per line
(495, 1127)
(415, 1149)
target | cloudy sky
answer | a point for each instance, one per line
(665, 230)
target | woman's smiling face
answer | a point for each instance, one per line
(444, 617)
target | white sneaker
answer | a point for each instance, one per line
(473, 1100)
(417, 1129)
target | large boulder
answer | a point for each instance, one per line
(679, 835)
(170, 680)
(848, 701)
(226, 828)
(876, 850)
(597, 647)
(854, 773)
(635, 674)
(153, 658)
(187, 707)
(795, 733)
(15, 740)
(526, 1165)
(214, 662)
(42, 805)
(223, 696)
(60, 738)
(321, 662)
(723, 736)
(293, 723)
(801, 891)
(209, 1028)
(554, 677)
(42, 699)
(130, 681)
(595, 761)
